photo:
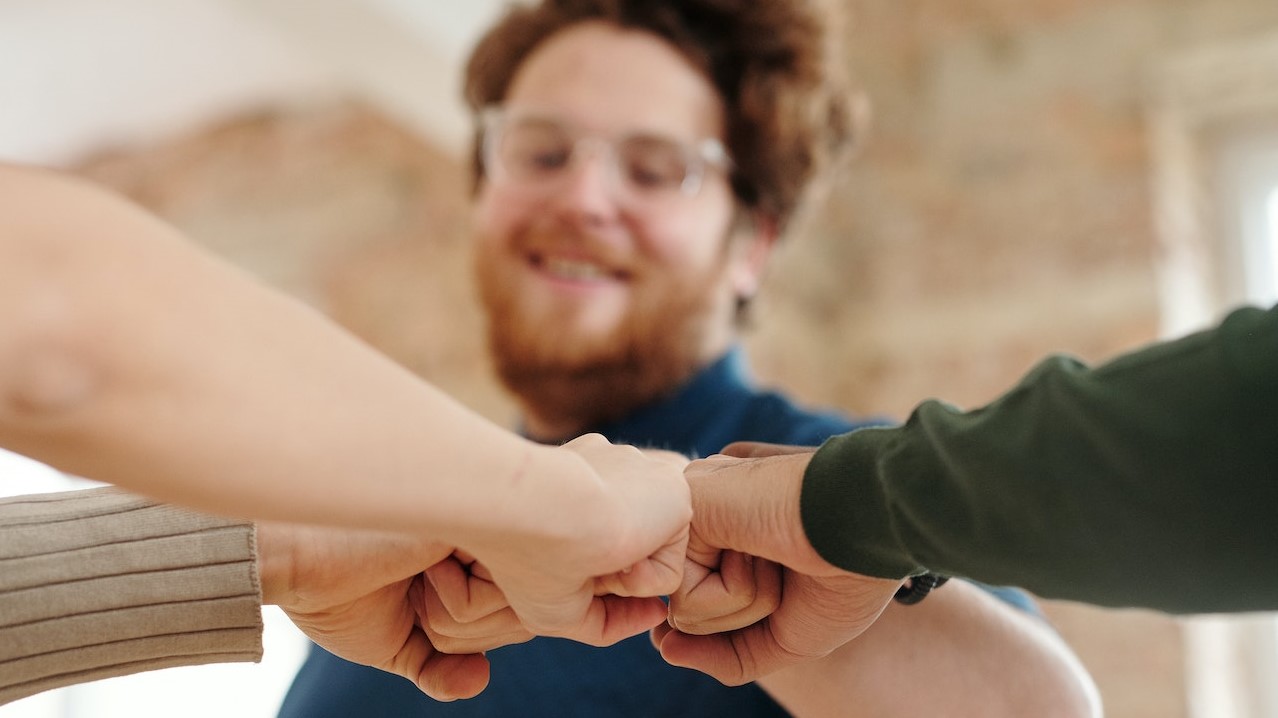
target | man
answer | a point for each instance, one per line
(638, 160)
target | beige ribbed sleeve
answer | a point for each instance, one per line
(101, 583)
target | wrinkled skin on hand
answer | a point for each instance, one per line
(746, 501)
(356, 593)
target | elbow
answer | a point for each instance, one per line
(48, 359)
(48, 367)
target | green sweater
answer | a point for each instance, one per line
(1149, 481)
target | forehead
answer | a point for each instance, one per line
(611, 80)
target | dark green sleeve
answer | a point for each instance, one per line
(1149, 481)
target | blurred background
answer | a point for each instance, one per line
(1076, 176)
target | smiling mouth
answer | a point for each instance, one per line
(576, 270)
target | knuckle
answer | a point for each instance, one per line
(442, 626)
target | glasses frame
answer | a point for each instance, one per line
(700, 156)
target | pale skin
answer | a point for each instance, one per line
(129, 356)
(613, 82)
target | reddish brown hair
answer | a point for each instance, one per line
(788, 114)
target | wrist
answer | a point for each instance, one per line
(274, 563)
(554, 501)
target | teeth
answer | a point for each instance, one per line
(576, 270)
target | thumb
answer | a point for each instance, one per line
(752, 506)
(759, 449)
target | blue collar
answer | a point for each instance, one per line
(713, 396)
(720, 405)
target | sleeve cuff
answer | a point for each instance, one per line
(102, 583)
(845, 510)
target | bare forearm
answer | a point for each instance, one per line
(129, 356)
(958, 653)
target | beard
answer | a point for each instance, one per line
(565, 379)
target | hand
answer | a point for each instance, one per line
(601, 557)
(354, 593)
(723, 590)
(750, 504)
(464, 611)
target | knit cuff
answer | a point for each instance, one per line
(101, 583)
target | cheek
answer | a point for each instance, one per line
(497, 214)
(687, 239)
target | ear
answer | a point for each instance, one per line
(756, 236)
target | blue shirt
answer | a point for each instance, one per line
(557, 677)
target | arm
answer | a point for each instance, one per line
(1148, 481)
(959, 652)
(129, 356)
(122, 340)
(100, 583)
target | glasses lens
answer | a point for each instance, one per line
(653, 163)
(532, 148)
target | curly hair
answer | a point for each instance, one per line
(789, 114)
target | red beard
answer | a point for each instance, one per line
(568, 380)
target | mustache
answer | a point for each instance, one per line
(577, 243)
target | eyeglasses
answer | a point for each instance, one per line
(535, 149)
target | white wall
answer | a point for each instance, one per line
(77, 75)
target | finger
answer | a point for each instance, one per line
(439, 675)
(658, 632)
(449, 635)
(753, 506)
(733, 658)
(446, 677)
(701, 562)
(464, 595)
(658, 575)
(700, 554)
(610, 619)
(757, 449)
(481, 572)
(473, 565)
(743, 591)
(483, 644)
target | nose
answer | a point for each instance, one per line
(588, 189)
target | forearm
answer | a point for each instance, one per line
(99, 583)
(129, 356)
(958, 653)
(1146, 481)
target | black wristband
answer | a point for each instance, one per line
(919, 588)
